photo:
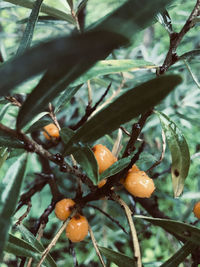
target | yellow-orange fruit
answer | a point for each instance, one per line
(139, 184)
(104, 157)
(102, 183)
(63, 208)
(77, 228)
(51, 131)
(133, 169)
(196, 209)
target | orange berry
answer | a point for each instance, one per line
(196, 209)
(102, 183)
(63, 208)
(133, 169)
(104, 157)
(139, 184)
(51, 131)
(77, 228)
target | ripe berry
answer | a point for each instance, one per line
(133, 169)
(102, 183)
(63, 208)
(139, 184)
(104, 157)
(77, 228)
(51, 131)
(196, 209)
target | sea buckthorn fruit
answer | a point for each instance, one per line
(104, 157)
(63, 208)
(77, 228)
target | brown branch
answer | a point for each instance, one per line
(175, 39)
(32, 146)
(90, 110)
(136, 130)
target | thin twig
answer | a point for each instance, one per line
(94, 242)
(132, 228)
(55, 239)
(90, 110)
(29, 205)
(89, 93)
(175, 39)
(53, 116)
(72, 251)
(109, 217)
(192, 74)
(32, 146)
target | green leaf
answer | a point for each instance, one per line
(28, 33)
(21, 248)
(189, 55)
(127, 106)
(179, 152)
(105, 67)
(9, 141)
(179, 229)
(9, 191)
(4, 110)
(165, 20)
(32, 122)
(118, 258)
(131, 17)
(85, 157)
(39, 125)
(67, 61)
(51, 11)
(73, 63)
(30, 238)
(4, 153)
(116, 167)
(65, 96)
(180, 255)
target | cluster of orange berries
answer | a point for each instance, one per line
(136, 182)
(77, 228)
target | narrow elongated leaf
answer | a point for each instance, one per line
(127, 106)
(4, 153)
(179, 229)
(39, 125)
(21, 248)
(9, 141)
(85, 157)
(165, 20)
(30, 238)
(57, 79)
(33, 121)
(118, 258)
(4, 110)
(180, 255)
(65, 97)
(28, 33)
(104, 67)
(115, 167)
(75, 54)
(9, 192)
(51, 11)
(179, 152)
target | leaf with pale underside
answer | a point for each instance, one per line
(179, 152)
